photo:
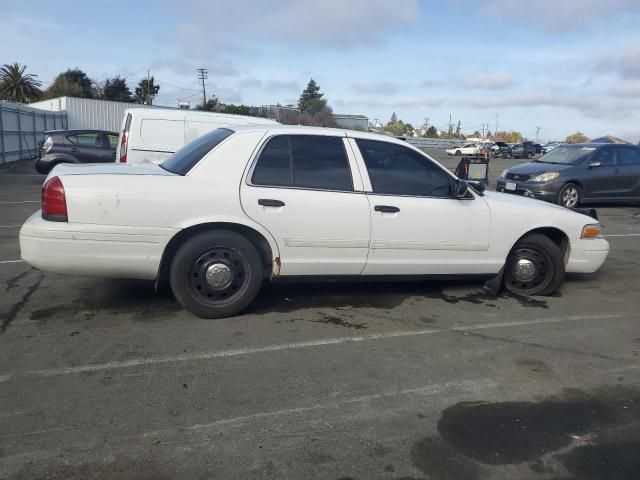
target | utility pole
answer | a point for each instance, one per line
(203, 75)
(496, 130)
(148, 93)
(482, 131)
(450, 128)
(537, 134)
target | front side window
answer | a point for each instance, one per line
(605, 156)
(397, 170)
(304, 161)
(628, 156)
(92, 140)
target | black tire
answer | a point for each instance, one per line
(547, 271)
(508, 155)
(570, 195)
(231, 260)
(458, 153)
(529, 155)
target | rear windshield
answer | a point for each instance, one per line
(188, 156)
(566, 154)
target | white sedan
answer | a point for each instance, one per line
(241, 206)
(466, 149)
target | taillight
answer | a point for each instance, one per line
(48, 143)
(123, 147)
(54, 203)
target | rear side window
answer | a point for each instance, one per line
(92, 140)
(305, 161)
(188, 156)
(628, 156)
(113, 140)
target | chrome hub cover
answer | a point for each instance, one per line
(525, 270)
(219, 276)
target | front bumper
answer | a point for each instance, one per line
(542, 191)
(587, 256)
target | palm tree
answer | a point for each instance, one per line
(16, 86)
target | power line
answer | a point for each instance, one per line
(203, 75)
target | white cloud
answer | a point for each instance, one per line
(626, 89)
(488, 81)
(625, 64)
(563, 15)
(377, 88)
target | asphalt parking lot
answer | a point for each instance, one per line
(103, 378)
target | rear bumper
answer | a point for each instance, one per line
(100, 250)
(587, 256)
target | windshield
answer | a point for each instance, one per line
(567, 155)
(188, 156)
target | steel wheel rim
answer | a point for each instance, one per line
(540, 276)
(218, 276)
(570, 197)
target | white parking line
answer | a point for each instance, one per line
(10, 226)
(623, 235)
(20, 201)
(191, 357)
(10, 261)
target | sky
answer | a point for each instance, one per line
(541, 67)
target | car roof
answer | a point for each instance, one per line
(599, 145)
(305, 130)
(78, 130)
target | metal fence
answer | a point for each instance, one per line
(22, 127)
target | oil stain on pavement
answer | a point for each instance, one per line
(577, 436)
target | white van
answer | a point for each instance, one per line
(151, 135)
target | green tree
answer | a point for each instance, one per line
(476, 134)
(146, 91)
(116, 89)
(18, 86)
(311, 100)
(72, 83)
(432, 132)
(577, 137)
(458, 128)
(212, 105)
(394, 118)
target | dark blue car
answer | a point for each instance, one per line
(571, 175)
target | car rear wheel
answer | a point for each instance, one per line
(529, 155)
(216, 274)
(458, 153)
(570, 195)
(535, 266)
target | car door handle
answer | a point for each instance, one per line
(386, 209)
(268, 202)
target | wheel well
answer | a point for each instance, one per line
(576, 182)
(256, 238)
(556, 235)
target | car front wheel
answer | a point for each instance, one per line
(216, 274)
(570, 195)
(535, 266)
(458, 153)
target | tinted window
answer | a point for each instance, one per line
(113, 141)
(628, 156)
(394, 169)
(274, 165)
(605, 156)
(93, 140)
(306, 161)
(188, 156)
(320, 162)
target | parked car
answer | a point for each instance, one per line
(550, 146)
(466, 149)
(151, 135)
(503, 150)
(571, 175)
(233, 208)
(538, 148)
(523, 150)
(75, 146)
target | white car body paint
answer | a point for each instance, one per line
(122, 217)
(466, 149)
(156, 134)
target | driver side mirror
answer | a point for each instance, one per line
(478, 185)
(594, 164)
(461, 187)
